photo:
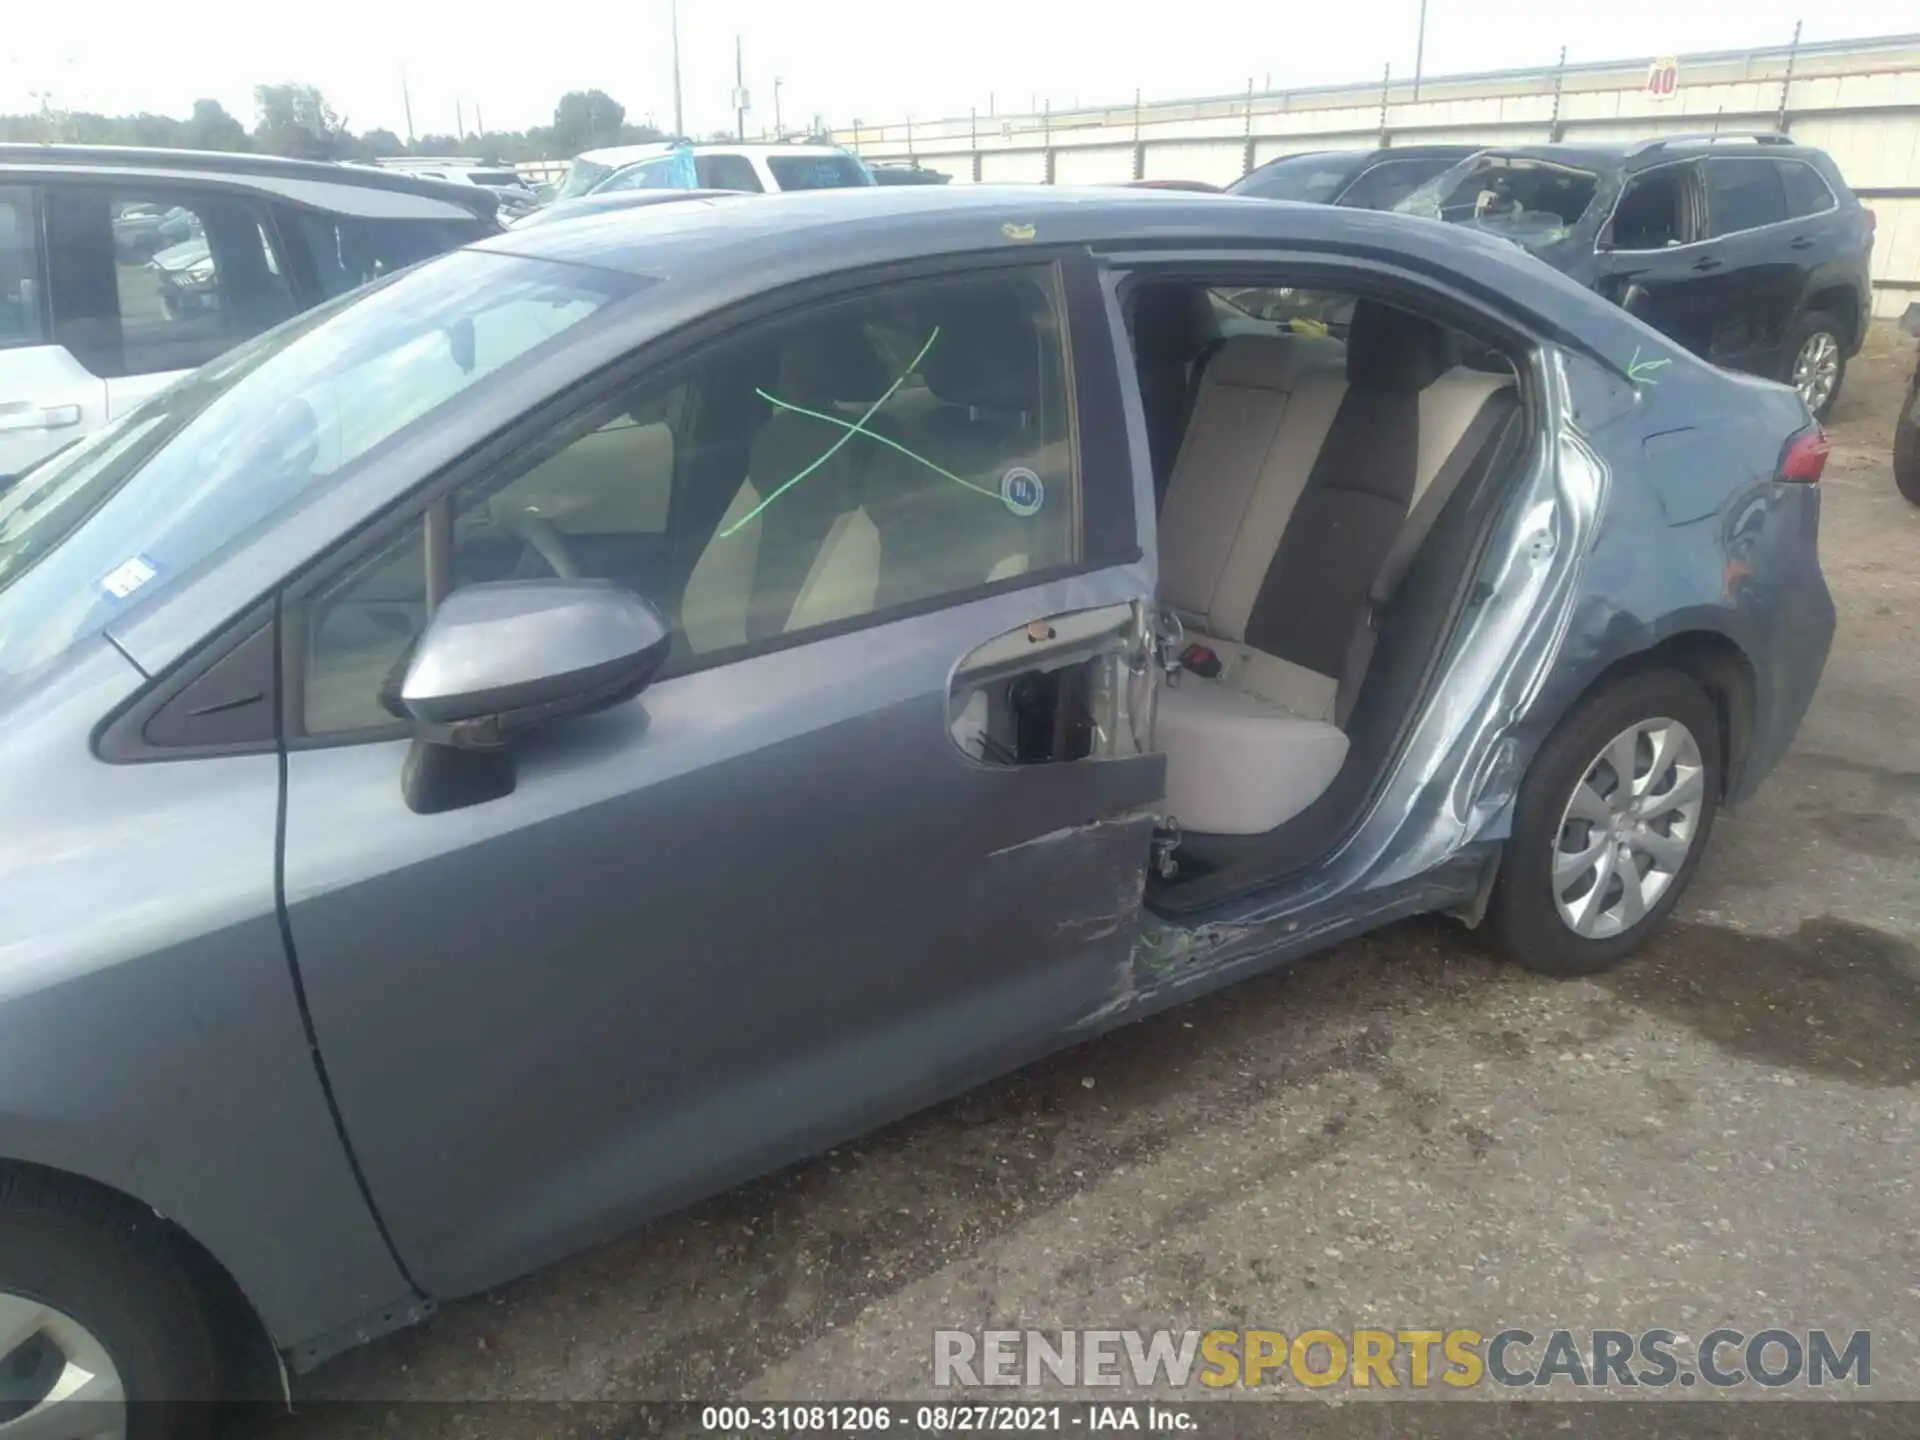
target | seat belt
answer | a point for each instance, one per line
(1492, 417)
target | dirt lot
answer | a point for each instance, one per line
(1397, 1133)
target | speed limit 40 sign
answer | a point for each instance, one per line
(1663, 77)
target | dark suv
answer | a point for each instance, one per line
(1748, 249)
(1357, 179)
(120, 269)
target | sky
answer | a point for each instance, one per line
(851, 60)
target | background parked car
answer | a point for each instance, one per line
(1358, 179)
(1906, 431)
(1750, 250)
(754, 169)
(613, 201)
(515, 195)
(907, 175)
(121, 268)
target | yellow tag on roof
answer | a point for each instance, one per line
(1017, 232)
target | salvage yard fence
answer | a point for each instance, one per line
(1858, 100)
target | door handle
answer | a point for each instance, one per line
(1800, 242)
(1707, 262)
(52, 417)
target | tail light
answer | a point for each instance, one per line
(1805, 458)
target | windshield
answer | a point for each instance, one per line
(817, 172)
(582, 175)
(128, 510)
(1315, 179)
(1534, 203)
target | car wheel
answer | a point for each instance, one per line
(1817, 361)
(1906, 447)
(99, 1323)
(1609, 827)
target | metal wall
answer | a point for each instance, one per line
(1858, 100)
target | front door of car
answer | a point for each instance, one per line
(877, 832)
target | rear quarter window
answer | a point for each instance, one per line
(817, 172)
(1806, 188)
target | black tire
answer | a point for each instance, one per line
(1906, 445)
(1523, 920)
(1812, 323)
(117, 1273)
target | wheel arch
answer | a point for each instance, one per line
(1716, 663)
(1843, 303)
(239, 1328)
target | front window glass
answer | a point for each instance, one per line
(914, 444)
(1534, 203)
(126, 512)
(1313, 179)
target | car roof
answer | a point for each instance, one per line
(1390, 152)
(795, 236)
(293, 179)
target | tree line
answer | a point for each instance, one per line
(296, 120)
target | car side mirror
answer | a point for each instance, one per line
(500, 658)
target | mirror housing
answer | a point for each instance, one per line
(501, 657)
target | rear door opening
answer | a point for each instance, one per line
(1329, 460)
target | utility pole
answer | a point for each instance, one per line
(459, 120)
(479, 125)
(778, 133)
(406, 103)
(739, 92)
(673, 19)
(1419, 51)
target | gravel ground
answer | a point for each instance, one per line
(1397, 1133)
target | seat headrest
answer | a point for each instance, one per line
(987, 354)
(1395, 350)
(831, 360)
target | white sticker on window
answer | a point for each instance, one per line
(127, 577)
(1022, 492)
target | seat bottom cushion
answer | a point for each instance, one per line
(1237, 764)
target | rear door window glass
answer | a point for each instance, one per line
(727, 172)
(1807, 190)
(1743, 195)
(20, 317)
(146, 283)
(349, 251)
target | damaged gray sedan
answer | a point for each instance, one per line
(633, 703)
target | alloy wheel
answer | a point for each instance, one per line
(57, 1381)
(1816, 369)
(1628, 828)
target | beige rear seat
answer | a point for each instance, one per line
(1254, 747)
